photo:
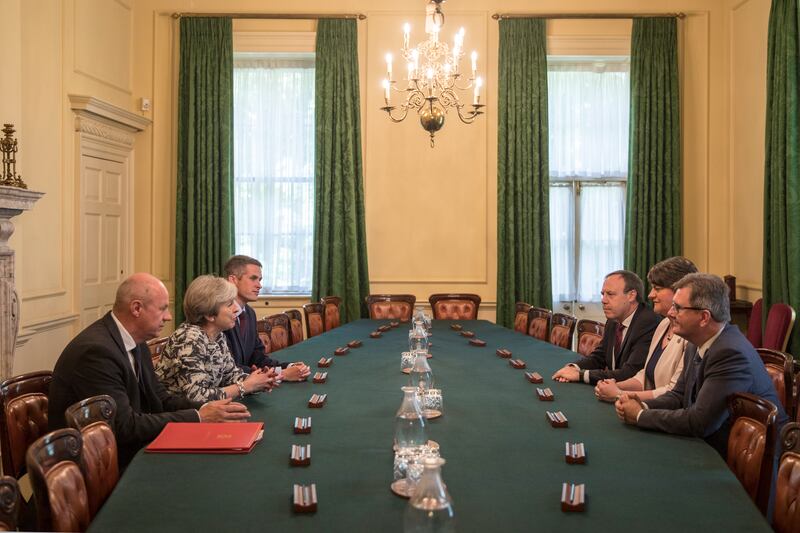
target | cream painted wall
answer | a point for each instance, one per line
(123, 50)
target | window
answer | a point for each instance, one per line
(588, 112)
(273, 100)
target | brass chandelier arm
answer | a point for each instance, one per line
(391, 108)
(470, 117)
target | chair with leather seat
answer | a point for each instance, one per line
(101, 408)
(295, 325)
(539, 320)
(156, 347)
(279, 331)
(332, 315)
(99, 465)
(315, 321)
(53, 462)
(755, 330)
(780, 367)
(391, 306)
(10, 502)
(751, 444)
(521, 317)
(590, 335)
(33, 382)
(263, 329)
(26, 421)
(562, 329)
(780, 320)
(462, 306)
(786, 514)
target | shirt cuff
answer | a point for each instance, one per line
(644, 406)
(586, 377)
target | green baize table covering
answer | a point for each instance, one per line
(505, 463)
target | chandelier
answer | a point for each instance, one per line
(432, 79)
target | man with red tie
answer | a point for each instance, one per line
(629, 329)
(246, 347)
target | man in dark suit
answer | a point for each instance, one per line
(629, 329)
(718, 362)
(246, 347)
(111, 357)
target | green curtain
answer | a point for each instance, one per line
(523, 180)
(204, 234)
(653, 216)
(781, 269)
(340, 243)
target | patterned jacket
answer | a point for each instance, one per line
(194, 366)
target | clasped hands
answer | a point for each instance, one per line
(628, 407)
(606, 390)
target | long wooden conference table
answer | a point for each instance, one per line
(505, 463)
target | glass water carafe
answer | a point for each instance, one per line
(409, 424)
(421, 375)
(430, 509)
(418, 338)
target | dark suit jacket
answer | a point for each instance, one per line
(247, 349)
(95, 362)
(634, 348)
(698, 405)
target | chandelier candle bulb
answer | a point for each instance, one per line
(478, 84)
(406, 35)
(474, 57)
(389, 66)
(386, 93)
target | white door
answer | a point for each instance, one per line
(103, 227)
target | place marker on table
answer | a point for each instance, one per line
(304, 498)
(354, 344)
(301, 455)
(317, 401)
(456, 327)
(573, 497)
(545, 395)
(502, 352)
(302, 424)
(477, 342)
(375, 335)
(324, 363)
(534, 377)
(385, 327)
(341, 351)
(517, 363)
(320, 377)
(394, 324)
(468, 334)
(575, 453)
(557, 419)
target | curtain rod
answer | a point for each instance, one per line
(295, 16)
(499, 16)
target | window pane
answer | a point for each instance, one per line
(562, 243)
(274, 167)
(602, 211)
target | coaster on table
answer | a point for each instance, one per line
(467, 334)
(320, 377)
(304, 498)
(354, 344)
(545, 395)
(302, 424)
(556, 419)
(573, 497)
(324, 363)
(517, 363)
(534, 377)
(575, 453)
(301, 455)
(317, 401)
(502, 352)
(341, 351)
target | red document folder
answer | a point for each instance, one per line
(207, 437)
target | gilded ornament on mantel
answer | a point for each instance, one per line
(8, 147)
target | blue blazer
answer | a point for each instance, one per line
(698, 405)
(247, 349)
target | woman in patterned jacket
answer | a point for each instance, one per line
(196, 361)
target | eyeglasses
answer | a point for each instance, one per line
(678, 308)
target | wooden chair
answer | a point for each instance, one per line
(780, 367)
(263, 329)
(100, 466)
(755, 332)
(29, 418)
(751, 444)
(295, 325)
(332, 314)
(539, 321)
(391, 306)
(156, 347)
(455, 306)
(590, 335)
(562, 330)
(100, 408)
(778, 328)
(315, 322)
(280, 331)
(10, 501)
(59, 489)
(521, 317)
(786, 517)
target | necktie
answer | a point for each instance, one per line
(696, 364)
(617, 343)
(242, 323)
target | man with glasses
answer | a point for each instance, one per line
(718, 362)
(629, 330)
